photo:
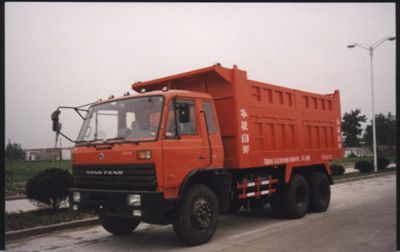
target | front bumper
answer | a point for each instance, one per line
(154, 208)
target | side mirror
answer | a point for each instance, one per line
(56, 122)
(183, 112)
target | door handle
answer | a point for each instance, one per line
(200, 157)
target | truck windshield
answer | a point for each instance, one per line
(135, 119)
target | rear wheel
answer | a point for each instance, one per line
(296, 199)
(118, 225)
(320, 192)
(198, 216)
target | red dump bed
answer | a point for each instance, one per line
(263, 124)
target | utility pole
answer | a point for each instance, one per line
(59, 161)
(11, 163)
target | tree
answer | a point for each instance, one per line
(351, 127)
(49, 187)
(14, 152)
(385, 130)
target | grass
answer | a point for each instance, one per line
(18, 188)
(24, 170)
(18, 173)
(42, 217)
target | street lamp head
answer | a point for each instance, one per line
(392, 38)
(351, 46)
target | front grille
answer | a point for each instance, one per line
(116, 176)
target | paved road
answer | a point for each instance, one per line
(22, 205)
(361, 218)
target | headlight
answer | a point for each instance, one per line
(143, 154)
(134, 199)
(76, 196)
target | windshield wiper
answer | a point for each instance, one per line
(121, 138)
(106, 141)
(91, 142)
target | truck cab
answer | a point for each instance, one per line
(133, 152)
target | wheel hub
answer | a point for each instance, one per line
(202, 214)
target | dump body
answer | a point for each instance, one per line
(263, 124)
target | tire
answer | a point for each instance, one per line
(296, 197)
(118, 225)
(198, 216)
(320, 192)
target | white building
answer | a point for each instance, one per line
(358, 151)
(48, 154)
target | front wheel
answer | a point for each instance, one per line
(118, 225)
(198, 216)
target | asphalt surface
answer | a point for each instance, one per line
(25, 205)
(361, 217)
(20, 205)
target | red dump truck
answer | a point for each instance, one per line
(184, 148)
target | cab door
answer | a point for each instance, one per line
(184, 152)
(214, 147)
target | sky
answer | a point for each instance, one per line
(75, 53)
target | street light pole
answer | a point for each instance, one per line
(371, 54)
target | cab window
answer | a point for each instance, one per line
(210, 117)
(187, 128)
